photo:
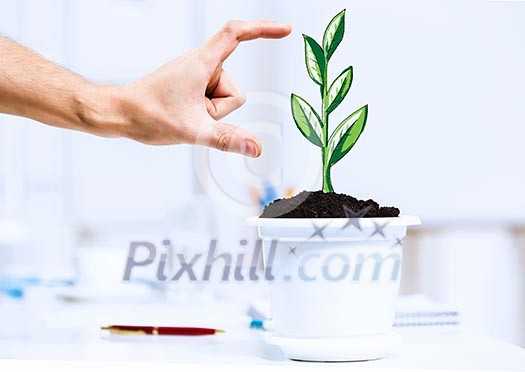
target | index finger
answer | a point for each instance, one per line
(223, 43)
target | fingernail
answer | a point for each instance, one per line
(251, 148)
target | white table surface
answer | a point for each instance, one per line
(57, 331)
(420, 350)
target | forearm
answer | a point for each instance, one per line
(36, 88)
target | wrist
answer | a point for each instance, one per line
(101, 110)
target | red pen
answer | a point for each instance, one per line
(167, 331)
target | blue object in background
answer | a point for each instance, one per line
(15, 287)
(261, 325)
(257, 324)
(269, 194)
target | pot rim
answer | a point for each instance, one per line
(402, 220)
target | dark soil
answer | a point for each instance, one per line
(318, 204)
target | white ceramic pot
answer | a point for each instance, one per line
(335, 284)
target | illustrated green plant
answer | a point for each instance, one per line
(315, 127)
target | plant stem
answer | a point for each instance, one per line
(327, 181)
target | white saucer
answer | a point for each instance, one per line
(337, 349)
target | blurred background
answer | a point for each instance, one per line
(444, 141)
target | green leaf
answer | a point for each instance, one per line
(346, 135)
(307, 120)
(315, 59)
(334, 34)
(339, 89)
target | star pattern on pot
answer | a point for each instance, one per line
(291, 250)
(399, 242)
(318, 231)
(378, 229)
(353, 218)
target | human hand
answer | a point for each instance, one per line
(184, 101)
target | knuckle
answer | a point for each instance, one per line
(223, 139)
(241, 100)
(231, 27)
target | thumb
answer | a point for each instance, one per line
(226, 137)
